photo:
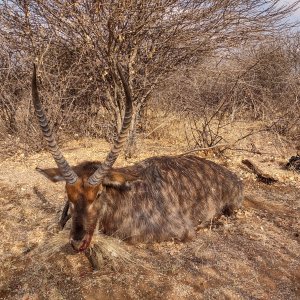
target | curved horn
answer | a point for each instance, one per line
(65, 169)
(115, 151)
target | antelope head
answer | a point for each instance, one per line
(83, 187)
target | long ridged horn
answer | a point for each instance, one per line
(65, 169)
(115, 151)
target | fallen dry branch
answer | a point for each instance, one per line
(95, 257)
(260, 175)
(219, 146)
(294, 163)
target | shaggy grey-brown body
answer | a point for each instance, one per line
(168, 199)
(158, 199)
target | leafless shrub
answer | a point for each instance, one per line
(257, 83)
(273, 84)
(78, 43)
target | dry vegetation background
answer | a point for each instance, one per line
(220, 77)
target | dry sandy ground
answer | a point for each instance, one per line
(252, 255)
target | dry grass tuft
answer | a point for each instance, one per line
(102, 250)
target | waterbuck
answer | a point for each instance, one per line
(158, 199)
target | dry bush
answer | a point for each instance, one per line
(77, 45)
(259, 83)
(71, 100)
(271, 85)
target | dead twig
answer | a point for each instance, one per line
(205, 149)
(261, 176)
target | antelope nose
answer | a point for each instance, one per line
(75, 244)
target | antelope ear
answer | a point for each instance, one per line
(119, 179)
(53, 174)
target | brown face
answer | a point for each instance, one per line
(84, 207)
(84, 199)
